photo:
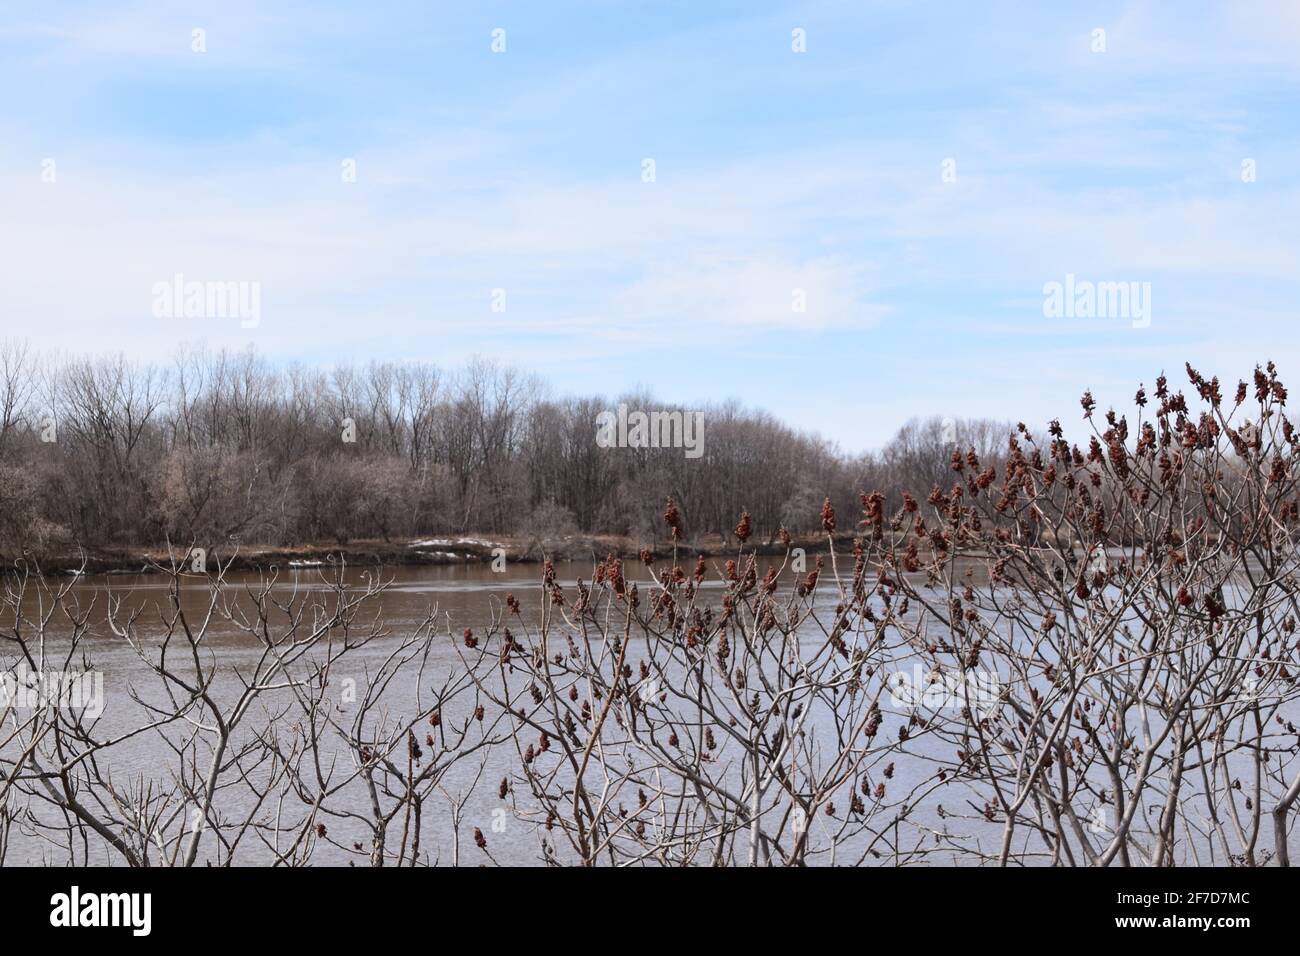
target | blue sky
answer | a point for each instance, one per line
(775, 171)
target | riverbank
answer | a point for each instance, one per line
(449, 550)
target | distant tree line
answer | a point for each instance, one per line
(231, 447)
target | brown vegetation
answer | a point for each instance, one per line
(224, 449)
(1115, 675)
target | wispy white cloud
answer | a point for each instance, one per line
(775, 172)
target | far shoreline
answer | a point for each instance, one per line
(449, 551)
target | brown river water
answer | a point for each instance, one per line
(461, 596)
